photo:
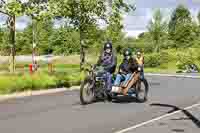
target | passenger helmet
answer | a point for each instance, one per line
(127, 52)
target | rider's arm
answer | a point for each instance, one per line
(112, 65)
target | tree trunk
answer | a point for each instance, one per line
(82, 52)
(81, 30)
(157, 46)
(12, 43)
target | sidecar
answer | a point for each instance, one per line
(136, 87)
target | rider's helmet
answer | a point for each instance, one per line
(139, 54)
(108, 47)
(127, 53)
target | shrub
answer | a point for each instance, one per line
(152, 60)
(185, 58)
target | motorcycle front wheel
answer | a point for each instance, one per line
(87, 95)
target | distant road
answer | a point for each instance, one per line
(28, 58)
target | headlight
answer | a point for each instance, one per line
(139, 69)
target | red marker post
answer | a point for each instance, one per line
(31, 68)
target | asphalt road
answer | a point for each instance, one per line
(62, 112)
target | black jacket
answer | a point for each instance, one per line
(128, 66)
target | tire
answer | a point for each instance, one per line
(87, 96)
(142, 89)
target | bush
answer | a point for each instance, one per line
(152, 60)
(185, 58)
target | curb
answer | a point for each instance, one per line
(36, 93)
(173, 75)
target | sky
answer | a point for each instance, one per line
(136, 22)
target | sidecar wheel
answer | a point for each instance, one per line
(142, 91)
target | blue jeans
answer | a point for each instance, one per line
(142, 73)
(108, 80)
(122, 77)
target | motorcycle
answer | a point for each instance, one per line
(94, 87)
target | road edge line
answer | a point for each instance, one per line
(172, 75)
(155, 119)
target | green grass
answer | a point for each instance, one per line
(10, 83)
(158, 70)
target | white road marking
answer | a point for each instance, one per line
(155, 119)
(173, 75)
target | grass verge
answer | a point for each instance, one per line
(37, 81)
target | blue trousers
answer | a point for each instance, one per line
(142, 73)
(108, 80)
(122, 77)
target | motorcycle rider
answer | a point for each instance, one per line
(126, 69)
(108, 60)
(140, 61)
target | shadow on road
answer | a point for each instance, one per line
(125, 100)
(175, 108)
(178, 130)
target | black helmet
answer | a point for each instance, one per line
(127, 52)
(108, 45)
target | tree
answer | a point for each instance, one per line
(157, 28)
(1, 39)
(195, 34)
(180, 25)
(14, 8)
(38, 10)
(114, 29)
(11, 9)
(43, 32)
(83, 15)
(65, 41)
(24, 40)
(198, 17)
(1, 35)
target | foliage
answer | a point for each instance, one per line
(180, 27)
(64, 41)
(152, 60)
(189, 56)
(157, 29)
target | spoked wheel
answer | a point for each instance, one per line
(142, 90)
(87, 95)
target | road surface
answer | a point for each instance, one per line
(62, 112)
